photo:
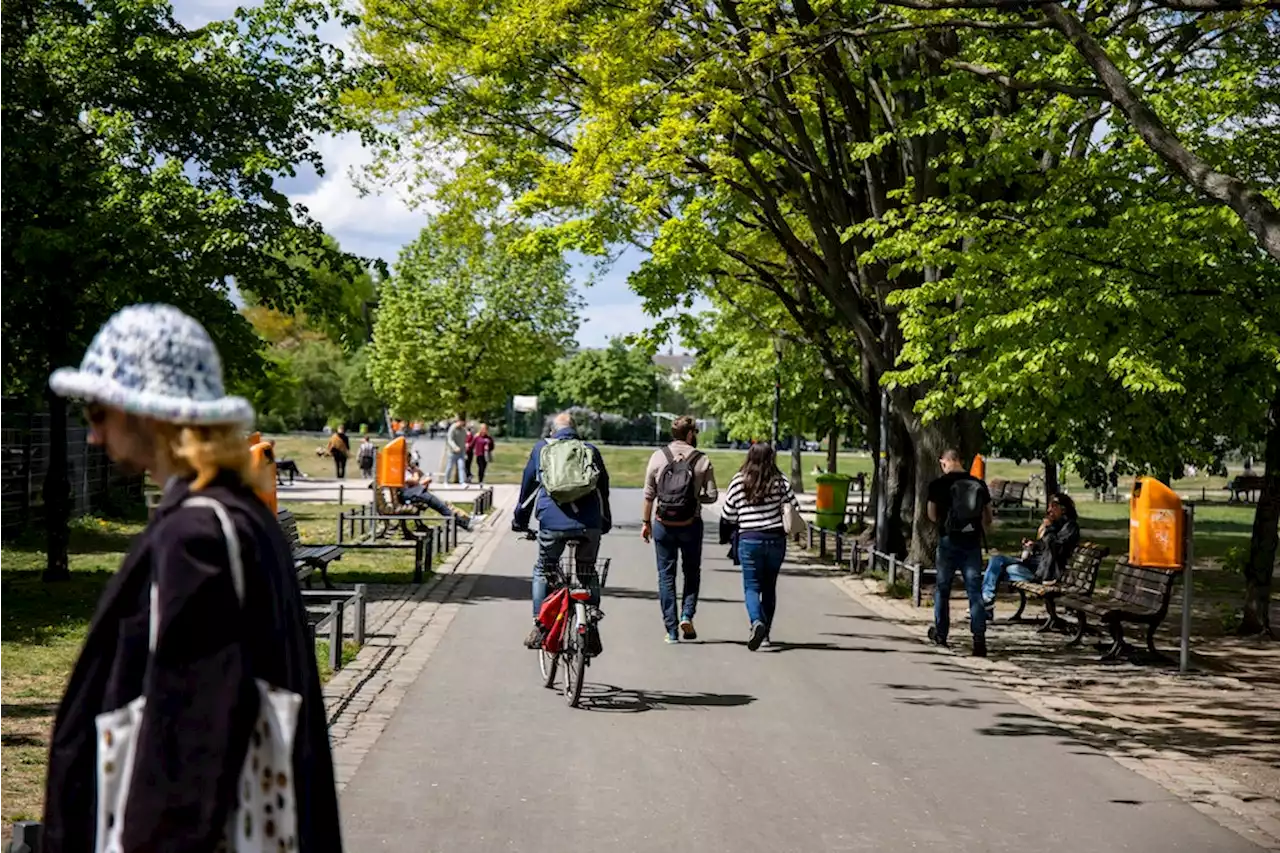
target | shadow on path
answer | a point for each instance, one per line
(606, 697)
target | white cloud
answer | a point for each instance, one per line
(377, 224)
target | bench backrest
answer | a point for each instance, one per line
(289, 525)
(1141, 586)
(1014, 491)
(1081, 574)
(1251, 482)
(996, 488)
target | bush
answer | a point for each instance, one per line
(273, 422)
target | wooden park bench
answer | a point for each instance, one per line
(1246, 486)
(307, 558)
(1010, 494)
(1077, 580)
(1138, 595)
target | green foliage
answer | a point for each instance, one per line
(362, 403)
(307, 382)
(616, 380)
(469, 318)
(140, 164)
(746, 345)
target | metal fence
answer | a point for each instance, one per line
(96, 485)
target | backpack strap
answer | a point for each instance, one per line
(666, 451)
(233, 558)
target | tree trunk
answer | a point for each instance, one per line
(57, 493)
(1050, 477)
(902, 486)
(1266, 533)
(926, 444)
(833, 450)
(797, 465)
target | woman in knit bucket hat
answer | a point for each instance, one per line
(198, 656)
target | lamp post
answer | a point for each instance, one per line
(777, 388)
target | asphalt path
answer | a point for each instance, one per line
(847, 735)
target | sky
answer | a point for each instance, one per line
(378, 224)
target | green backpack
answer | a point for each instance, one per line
(568, 469)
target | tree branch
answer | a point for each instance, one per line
(1259, 215)
(1021, 85)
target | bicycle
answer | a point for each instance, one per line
(1035, 488)
(575, 649)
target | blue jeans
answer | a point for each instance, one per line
(1000, 565)
(420, 495)
(761, 561)
(968, 559)
(458, 461)
(685, 543)
(551, 545)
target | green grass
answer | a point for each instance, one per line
(627, 465)
(349, 652)
(43, 627)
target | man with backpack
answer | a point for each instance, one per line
(679, 480)
(961, 507)
(566, 481)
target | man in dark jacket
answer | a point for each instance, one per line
(1045, 557)
(585, 520)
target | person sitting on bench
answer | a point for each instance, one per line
(285, 466)
(1043, 559)
(417, 491)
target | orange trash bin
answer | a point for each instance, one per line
(264, 465)
(1155, 525)
(391, 463)
(979, 467)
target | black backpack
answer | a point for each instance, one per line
(965, 515)
(678, 488)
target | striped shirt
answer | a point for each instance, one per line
(761, 517)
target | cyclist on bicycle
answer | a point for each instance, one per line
(566, 479)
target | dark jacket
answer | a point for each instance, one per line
(201, 700)
(589, 513)
(1054, 549)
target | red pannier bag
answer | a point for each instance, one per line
(552, 616)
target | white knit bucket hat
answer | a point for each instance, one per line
(154, 360)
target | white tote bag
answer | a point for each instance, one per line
(265, 815)
(792, 521)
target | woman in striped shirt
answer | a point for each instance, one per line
(757, 497)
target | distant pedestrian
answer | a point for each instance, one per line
(678, 481)
(339, 448)
(456, 445)
(483, 445)
(200, 639)
(755, 503)
(960, 505)
(365, 456)
(471, 450)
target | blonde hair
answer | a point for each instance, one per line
(202, 452)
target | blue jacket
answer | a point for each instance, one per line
(589, 513)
